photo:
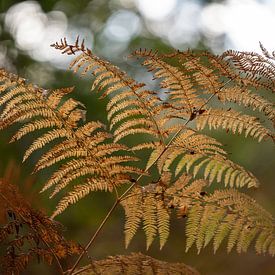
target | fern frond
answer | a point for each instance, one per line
(28, 234)
(163, 220)
(192, 226)
(136, 263)
(257, 70)
(54, 98)
(79, 192)
(149, 219)
(126, 102)
(59, 152)
(34, 126)
(233, 121)
(146, 203)
(231, 214)
(85, 150)
(154, 156)
(193, 152)
(133, 214)
(248, 99)
(45, 139)
(181, 88)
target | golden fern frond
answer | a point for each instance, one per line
(145, 203)
(80, 191)
(149, 219)
(136, 263)
(233, 121)
(246, 98)
(43, 140)
(214, 217)
(34, 126)
(133, 214)
(181, 92)
(228, 213)
(163, 222)
(218, 168)
(86, 150)
(126, 100)
(206, 81)
(257, 70)
(193, 152)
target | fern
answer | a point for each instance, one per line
(225, 213)
(136, 263)
(184, 160)
(27, 234)
(231, 214)
(85, 148)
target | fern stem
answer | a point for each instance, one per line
(207, 101)
(93, 237)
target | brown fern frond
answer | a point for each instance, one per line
(28, 234)
(181, 92)
(133, 214)
(86, 150)
(80, 191)
(246, 98)
(145, 203)
(163, 222)
(149, 219)
(233, 121)
(126, 100)
(136, 263)
(257, 70)
(193, 152)
(228, 213)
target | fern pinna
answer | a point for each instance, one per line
(27, 234)
(186, 160)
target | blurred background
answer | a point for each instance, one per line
(113, 29)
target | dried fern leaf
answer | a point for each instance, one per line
(233, 121)
(133, 214)
(113, 82)
(149, 219)
(233, 215)
(163, 219)
(34, 126)
(136, 263)
(87, 150)
(257, 70)
(248, 99)
(28, 234)
(54, 98)
(79, 192)
(45, 139)
(155, 155)
(181, 88)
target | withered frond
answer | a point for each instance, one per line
(195, 153)
(28, 234)
(246, 98)
(145, 204)
(211, 217)
(181, 92)
(233, 215)
(231, 120)
(136, 263)
(128, 101)
(257, 70)
(85, 149)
